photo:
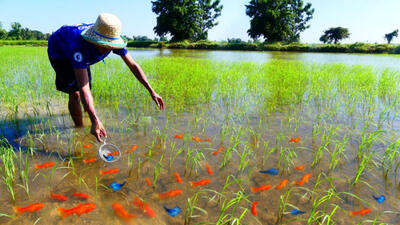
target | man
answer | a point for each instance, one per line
(72, 49)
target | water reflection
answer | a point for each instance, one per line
(379, 62)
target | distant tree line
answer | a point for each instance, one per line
(18, 33)
(273, 21)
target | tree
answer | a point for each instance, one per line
(278, 20)
(389, 37)
(3, 33)
(186, 19)
(16, 31)
(334, 34)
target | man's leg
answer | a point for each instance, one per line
(75, 109)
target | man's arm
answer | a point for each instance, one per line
(139, 74)
(82, 79)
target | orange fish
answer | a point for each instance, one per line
(89, 160)
(78, 210)
(361, 212)
(148, 181)
(132, 149)
(110, 171)
(87, 146)
(299, 167)
(178, 178)
(179, 136)
(218, 151)
(306, 177)
(80, 195)
(253, 208)
(113, 153)
(282, 184)
(209, 171)
(196, 139)
(170, 194)
(30, 208)
(58, 197)
(295, 140)
(148, 211)
(201, 182)
(120, 211)
(261, 188)
(299, 182)
(44, 165)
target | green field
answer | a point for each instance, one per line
(346, 117)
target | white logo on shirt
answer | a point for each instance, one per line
(78, 56)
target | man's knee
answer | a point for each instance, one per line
(75, 97)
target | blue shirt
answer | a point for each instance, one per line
(68, 44)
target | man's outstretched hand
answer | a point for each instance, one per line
(98, 131)
(158, 100)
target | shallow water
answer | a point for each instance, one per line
(253, 140)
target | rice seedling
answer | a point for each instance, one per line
(347, 118)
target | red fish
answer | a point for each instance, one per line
(170, 194)
(120, 211)
(253, 208)
(201, 182)
(44, 165)
(207, 140)
(295, 140)
(209, 171)
(148, 211)
(113, 153)
(218, 151)
(58, 197)
(299, 167)
(178, 178)
(179, 136)
(132, 149)
(78, 210)
(110, 171)
(139, 203)
(89, 160)
(87, 146)
(30, 208)
(80, 195)
(282, 184)
(361, 212)
(261, 188)
(148, 181)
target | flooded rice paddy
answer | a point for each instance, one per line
(340, 122)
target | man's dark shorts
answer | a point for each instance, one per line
(65, 76)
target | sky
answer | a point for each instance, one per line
(367, 20)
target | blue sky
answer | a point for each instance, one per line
(367, 20)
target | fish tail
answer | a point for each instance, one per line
(101, 172)
(18, 210)
(63, 212)
(37, 166)
(253, 189)
(192, 183)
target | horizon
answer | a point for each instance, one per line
(367, 24)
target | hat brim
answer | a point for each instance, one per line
(89, 35)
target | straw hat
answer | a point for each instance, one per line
(105, 32)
